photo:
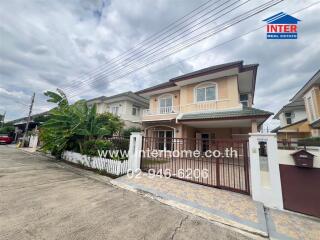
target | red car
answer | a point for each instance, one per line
(5, 139)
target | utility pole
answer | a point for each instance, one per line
(28, 120)
(4, 115)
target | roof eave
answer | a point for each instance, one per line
(306, 86)
(266, 116)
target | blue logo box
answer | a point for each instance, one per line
(282, 36)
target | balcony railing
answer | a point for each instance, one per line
(193, 107)
(203, 106)
(162, 110)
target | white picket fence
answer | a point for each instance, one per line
(111, 166)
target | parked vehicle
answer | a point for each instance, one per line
(5, 139)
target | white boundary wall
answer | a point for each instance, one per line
(135, 148)
(33, 141)
(285, 157)
(265, 184)
(111, 166)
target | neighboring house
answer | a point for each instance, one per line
(310, 94)
(301, 117)
(128, 106)
(293, 122)
(214, 102)
(20, 123)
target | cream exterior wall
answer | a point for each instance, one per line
(184, 99)
(184, 131)
(154, 100)
(227, 96)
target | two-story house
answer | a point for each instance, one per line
(301, 117)
(293, 122)
(214, 102)
(310, 94)
(128, 106)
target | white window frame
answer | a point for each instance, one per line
(308, 96)
(243, 101)
(291, 117)
(205, 85)
(137, 109)
(311, 109)
(165, 138)
(165, 96)
(117, 112)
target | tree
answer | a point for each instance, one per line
(69, 126)
(127, 132)
(7, 128)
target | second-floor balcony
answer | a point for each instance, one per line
(162, 110)
(193, 107)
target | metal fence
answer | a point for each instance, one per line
(213, 162)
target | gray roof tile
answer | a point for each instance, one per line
(245, 112)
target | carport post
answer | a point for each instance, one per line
(135, 148)
(264, 170)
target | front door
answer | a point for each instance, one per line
(165, 140)
(204, 142)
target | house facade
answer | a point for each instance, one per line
(301, 117)
(212, 103)
(128, 106)
(310, 94)
(293, 122)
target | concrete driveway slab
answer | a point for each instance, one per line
(41, 198)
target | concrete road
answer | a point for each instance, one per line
(41, 198)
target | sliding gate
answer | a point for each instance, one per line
(212, 162)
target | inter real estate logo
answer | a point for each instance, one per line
(282, 26)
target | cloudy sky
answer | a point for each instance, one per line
(71, 44)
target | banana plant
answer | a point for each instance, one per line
(73, 124)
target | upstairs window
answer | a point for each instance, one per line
(288, 116)
(244, 100)
(206, 93)
(115, 110)
(165, 104)
(135, 111)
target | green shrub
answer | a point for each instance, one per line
(91, 147)
(127, 132)
(312, 141)
(7, 129)
(120, 144)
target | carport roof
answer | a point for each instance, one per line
(246, 112)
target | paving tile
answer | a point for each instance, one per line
(228, 206)
(234, 207)
(288, 225)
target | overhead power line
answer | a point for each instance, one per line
(199, 37)
(183, 20)
(226, 42)
(107, 74)
(153, 51)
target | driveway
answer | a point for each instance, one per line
(41, 198)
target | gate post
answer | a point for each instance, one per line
(135, 147)
(264, 169)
